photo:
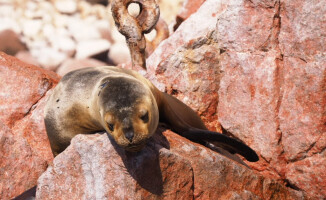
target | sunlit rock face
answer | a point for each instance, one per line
(255, 69)
(24, 146)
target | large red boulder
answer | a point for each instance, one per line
(24, 146)
(169, 167)
(256, 70)
(186, 64)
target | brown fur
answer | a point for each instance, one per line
(74, 107)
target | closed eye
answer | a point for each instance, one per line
(111, 127)
(144, 117)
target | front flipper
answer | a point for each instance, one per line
(232, 145)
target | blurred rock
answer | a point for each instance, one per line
(10, 42)
(65, 45)
(188, 8)
(156, 36)
(168, 167)
(7, 23)
(119, 53)
(24, 146)
(169, 9)
(74, 64)
(104, 28)
(81, 30)
(51, 30)
(49, 58)
(31, 28)
(117, 37)
(89, 48)
(66, 6)
(26, 57)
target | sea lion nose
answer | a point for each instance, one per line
(129, 135)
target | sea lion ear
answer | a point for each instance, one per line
(103, 84)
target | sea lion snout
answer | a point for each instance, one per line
(129, 135)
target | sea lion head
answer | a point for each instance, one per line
(128, 110)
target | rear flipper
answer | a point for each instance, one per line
(206, 138)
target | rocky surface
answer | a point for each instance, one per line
(188, 8)
(262, 79)
(24, 146)
(187, 65)
(169, 167)
(252, 69)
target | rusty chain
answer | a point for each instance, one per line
(134, 28)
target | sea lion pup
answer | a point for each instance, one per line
(128, 107)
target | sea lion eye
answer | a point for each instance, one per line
(111, 126)
(144, 117)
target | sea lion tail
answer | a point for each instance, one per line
(232, 145)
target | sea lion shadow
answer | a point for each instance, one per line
(144, 166)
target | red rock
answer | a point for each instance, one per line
(255, 69)
(25, 153)
(93, 167)
(302, 110)
(24, 146)
(303, 174)
(23, 85)
(10, 42)
(246, 26)
(185, 63)
(188, 8)
(74, 64)
(248, 100)
(303, 26)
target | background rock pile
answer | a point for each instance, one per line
(255, 70)
(61, 34)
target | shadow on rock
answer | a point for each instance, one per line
(144, 166)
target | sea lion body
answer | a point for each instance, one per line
(127, 106)
(80, 100)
